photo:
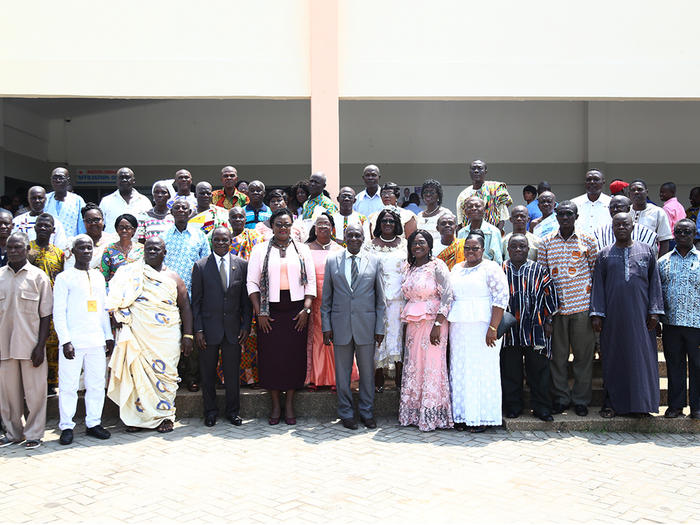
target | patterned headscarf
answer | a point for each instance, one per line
(265, 277)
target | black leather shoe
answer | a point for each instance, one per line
(210, 421)
(369, 422)
(66, 437)
(695, 414)
(544, 416)
(350, 424)
(558, 408)
(673, 413)
(512, 414)
(581, 410)
(98, 431)
(461, 427)
(235, 420)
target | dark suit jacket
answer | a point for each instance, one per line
(216, 311)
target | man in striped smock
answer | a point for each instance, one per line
(570, 255)
(604, 235)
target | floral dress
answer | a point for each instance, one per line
(425, 387)
(113, 258)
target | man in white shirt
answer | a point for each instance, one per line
(84, 336)
(25, 222)
(125, 200)
(593, 212)
(183, 188)
(345, 216)
(369, 200)
(650, 215)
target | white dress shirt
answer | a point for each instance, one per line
(226, 262)
(348, 265)
(114, 205)
(74, 322)
(367, 205)
(592, 214)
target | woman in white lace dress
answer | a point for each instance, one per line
(480, 296)
(391, 249)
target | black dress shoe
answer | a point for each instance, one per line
(66, 437)
(235, 420)
(369, 422)
(512, 414)
(673, 413)
(349, 424)
(558, 408)
(581, 410)
(209, 421)
(98, 431)
(544, 416)
(461, 427)
(695, 414)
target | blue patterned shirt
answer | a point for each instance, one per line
(67, 211)
(680, 283)
(184, 248)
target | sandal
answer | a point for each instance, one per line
(132, 430)
(32, 443)
(165, 426)
(477, 430)
(607, 413)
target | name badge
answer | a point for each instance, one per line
(91, 305)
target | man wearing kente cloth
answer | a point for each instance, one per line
(626, 302)
(450, 249)
(494, 194)
(151, 306)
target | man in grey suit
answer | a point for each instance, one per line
(222, 315)
(352, 317)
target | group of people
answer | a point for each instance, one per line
(286, 289)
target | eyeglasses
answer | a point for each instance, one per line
(387, 221)
(96, 220)
(472, 248)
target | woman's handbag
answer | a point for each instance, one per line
(506, 324)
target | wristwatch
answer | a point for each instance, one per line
(437, 323)
(308, 311)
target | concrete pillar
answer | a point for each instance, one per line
(325, 124)
(2, 147)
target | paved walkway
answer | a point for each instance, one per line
(322, 473)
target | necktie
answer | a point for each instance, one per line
(222, 273)
(354, 272)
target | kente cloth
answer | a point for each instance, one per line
(210, 219)
(50, 260)
(453, 254)
(496, 199)
(143, 379)
(243, 243)
(626, 289)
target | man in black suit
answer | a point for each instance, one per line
(222, 316)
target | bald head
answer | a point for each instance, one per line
(619, 204)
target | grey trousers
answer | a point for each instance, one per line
(343, 369)
(572, 331)
(21, 383)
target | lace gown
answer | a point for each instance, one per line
(393, 259)
(425, 388)
(475, 375)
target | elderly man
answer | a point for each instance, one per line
(65, 205)
(151, 305)
(593, 205)
(25, 222)
(474, 208)
(547, 222)
(256, 210)
(352, 318)
(569, 256)
(229, 195)
(185, 246)
(519, 217)
(125, 200)
(680, 284)
(626, 303)
(369, 200)
(27, 301)
(605, 237)
(450, 249)
(84, 335)
(183, 189)
(650, 215)
(207, 216)
(5, 231)
(317, 183)
(494, 194)
(533, 302)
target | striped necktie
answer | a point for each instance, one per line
(354, 272)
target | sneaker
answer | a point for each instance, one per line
(32, 443)
(98, 431)
(66, 437)
(6, 442)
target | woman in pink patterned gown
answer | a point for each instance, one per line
(425, 387)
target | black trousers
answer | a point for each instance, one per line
(538, 379)
(681, 344)
(231, 364)
(188, 367)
